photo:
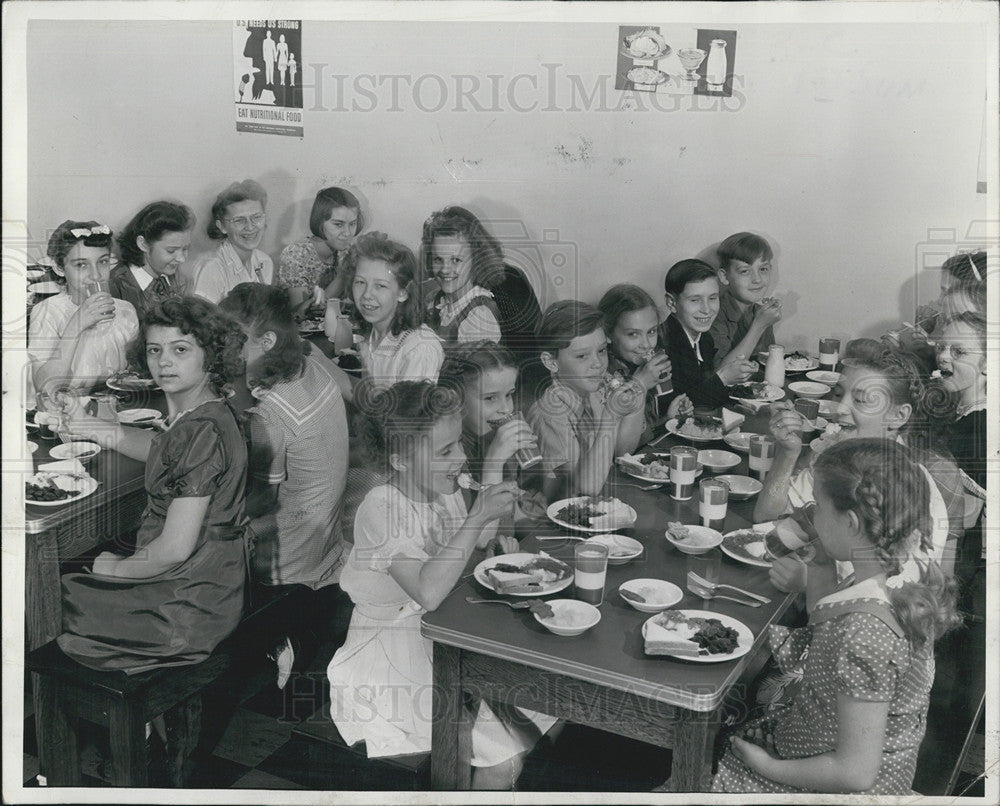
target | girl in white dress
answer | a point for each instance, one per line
(413, 537)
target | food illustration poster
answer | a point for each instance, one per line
(267, 76)
(676, 60)
(716, 72)
(639, 49)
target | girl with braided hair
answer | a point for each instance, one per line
(879, 394)
(857, 719)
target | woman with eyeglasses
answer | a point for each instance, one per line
(238, 220)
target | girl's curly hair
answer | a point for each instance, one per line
(403, 266)
(396, 417)
(486, 253)
(879, 481)
(218, 335)
(260, 308)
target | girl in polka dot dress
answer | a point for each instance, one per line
(866, 660)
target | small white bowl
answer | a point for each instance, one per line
(658, 593)
(809, 388)
(739, 440)
(583, 616)
(824, 376)
(627, 548)
(76, 450)
(701, 540)
(741, 487)
(716, 460)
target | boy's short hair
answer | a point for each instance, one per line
(745, 247)
(564, 321)
(688, 271)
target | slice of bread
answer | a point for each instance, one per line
(730, 419)
(507, 580)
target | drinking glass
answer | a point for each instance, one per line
(683, 469)
(590, 569)
(691, 59)
(761, 455)
(713, 501)
(829, 354)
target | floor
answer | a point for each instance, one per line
(251, 742)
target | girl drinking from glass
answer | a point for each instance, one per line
(413, 537)
(172, 600)
(79, 336)
(312, 270)
(465, 259)
(154, 246)
(581, 421)
(633, 324)
(239, 221)
(857, 719)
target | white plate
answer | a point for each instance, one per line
(672, 429)
(129, 383)
(310, 326)
(740, 440)
(744, 639)
(631, 468)
(44, 289)
(741, 487)
(627, 548)
(728, 548)
(520, 560)
(583, 499)
(34, 275)
(139, 416)
(32, 446)
(708, 539)
(716, 460)
(587, 614)
(85, 484)
(824, 376)
(75, 450)
(667, 594)
(661, 77)
(813, 363)
(663, 53)
(809, 389)
(771, 396)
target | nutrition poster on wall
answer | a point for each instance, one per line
(267, 55)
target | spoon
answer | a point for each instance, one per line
(523, 605)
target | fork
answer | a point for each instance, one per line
(515, 605)
(707, 593)
(645, 487)
(714, 586)
(563, 537)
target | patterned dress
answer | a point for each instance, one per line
(300, 266)
(853, 646)
(180, 615)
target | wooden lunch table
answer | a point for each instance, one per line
(602, 678)
(56, 534)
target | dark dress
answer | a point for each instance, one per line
(695, 378)
(124, 286)
(180, 615)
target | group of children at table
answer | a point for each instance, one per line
(437, 398)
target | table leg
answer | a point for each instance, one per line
(43, 622)
(451, 733)
(691, 767)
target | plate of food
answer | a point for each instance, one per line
(696, 427)
(795, 361)
(129, 382)
(621, 549)
(646, 44)
(523, 574)
(692, 539)
(741, 487)
(140, 417)
(647, 76)
(697, 635)
(75, 450)
(832, 434)
(567, 616)
(45, 489)
(750, 546)
(756, 390)
(597, 515)
(650, 595)
(311, 326)
(650, 466)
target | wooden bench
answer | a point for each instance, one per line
(125, 703)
